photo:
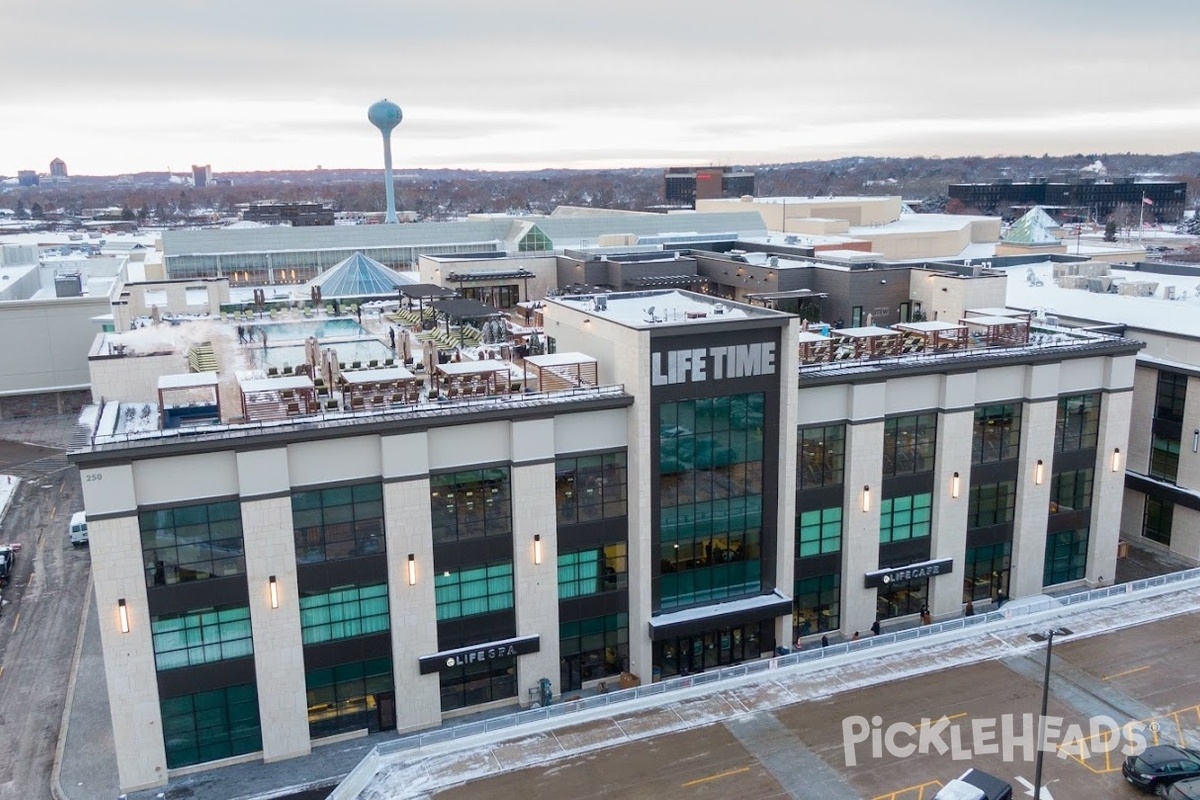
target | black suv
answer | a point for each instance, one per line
(1156, 768)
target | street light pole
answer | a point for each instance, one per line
(1037, 770)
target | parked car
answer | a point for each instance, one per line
(8, 556)
(1184, 790)
(975, 785)
(1156, 768)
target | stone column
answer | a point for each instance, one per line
(860, 540)
(954, 436)
(1033, 500)
(535, 562)
(1108, 487)
(408, 521)
(278, 648)
(115, 545)
(785, 547)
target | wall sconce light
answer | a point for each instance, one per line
(866, 498)
(537, 548)
(123, 613)
(955, 483)
(1196, 441)
(1039, 472)
(274, 586)
(1116, 459)
(412, 570)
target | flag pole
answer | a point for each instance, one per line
(1141, 216)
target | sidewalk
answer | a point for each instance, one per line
(87, 770)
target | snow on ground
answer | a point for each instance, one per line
(440, 766)
(8, 490)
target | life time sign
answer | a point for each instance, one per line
(464, 656)
(913, 572)
(702, 364)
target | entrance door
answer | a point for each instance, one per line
(906, 312)
(385, 707)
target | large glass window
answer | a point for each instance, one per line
(479, 590)
(201, 636)
(819, 531)
(592, 571)
(343, 612)
(589, 488)
(345, 697)
(337, 523)
(593, 648)
(1078, 423)
(821, 460)
(818, 604)
(1071, 491)
(1170, 397)
(710, 498)
(909, 443)
(903, 518)
(1157, 519)
(1164, 458)
(985, 571)
(901, 598)
(1066, 556)
(997, 433)
(192, 543)
(991, 504)
(478, 682)
(207, 726)
(470, 505)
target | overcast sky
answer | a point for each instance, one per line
(140, 85)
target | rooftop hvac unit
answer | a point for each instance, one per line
(1169, 292)
(68, 284)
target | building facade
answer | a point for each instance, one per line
(1085, 198)
(683, 186)
(263, 588)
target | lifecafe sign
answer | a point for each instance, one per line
(913, 572)
(453, 659)
(700, 364)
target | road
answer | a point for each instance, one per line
(1146, 673)
(39, 623)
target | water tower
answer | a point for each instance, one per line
(386, 115)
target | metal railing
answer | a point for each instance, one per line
(356, 780)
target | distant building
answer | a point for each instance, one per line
(202, 175)
(295, 214)
(27, 177)
(1073, 198)
(58, 168)
(684, 185)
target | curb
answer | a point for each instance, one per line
(55, 771)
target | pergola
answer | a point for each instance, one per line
(422, 292)
(556, 371)
(189, 398)
(815, 348)
(869, 341)
(379, 388)
(934, 334)
(473, 378)
(276, 398)
(998, 331)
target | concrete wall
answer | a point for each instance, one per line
(129, 378)
(55, 336)
(946, 297)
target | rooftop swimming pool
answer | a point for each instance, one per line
(337, 328)
(362, 350)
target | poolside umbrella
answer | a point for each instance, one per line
(405, 347)
(430, 360)
(312, 352)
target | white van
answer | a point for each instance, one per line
(78, 530)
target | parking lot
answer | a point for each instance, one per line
(1148, 672)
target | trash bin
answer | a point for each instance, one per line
(1122, 549)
